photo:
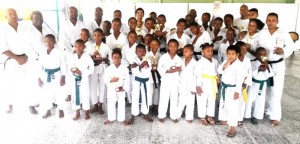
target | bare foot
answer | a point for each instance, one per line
(100, 110)
(189, 121)
(61, 114)
(125, 123)
(210, 121)
(77, 115)
(32, 110)
(147, 118)
(95, 108)
(48, 113)
(107, 122)
(10, 109)
(175, 120)
(87, 115)
(162, 120)
(231, 132)
(203, 121)
(275, 123)
(131, 120)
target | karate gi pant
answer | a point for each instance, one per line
(186, 98)
(256, 102)
(84, 94)
(229, 111)
(242, 107)
(129, 91)
(206, 105)
(115, 112)
(168, 91)
(97, 88)
(136, 106)
(31, 78)
(155, 93)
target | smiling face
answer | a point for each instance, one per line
(49, 42)
(139, 14)
(37, 19)
(11, 16)
(252, 27)
(272, 22)
(98, 12)
(173, 46)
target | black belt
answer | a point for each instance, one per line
(163, 50)
(274, 62)
(154, 78)
(197, 53)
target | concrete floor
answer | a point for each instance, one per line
(21, 127)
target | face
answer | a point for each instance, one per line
(37, 19)
(106, 27)
(231, 55)
(49, 42)
(73, 13)
(79, 47)
(244, 10)
(140, 52)
(154, 46)
(193, 12)
(217, 24)
(98, 12)
(153, 16)
(228, 21)
(252, 27)
(139, 14)
(272, 22)
(181, 26)
(116, 26)
(194, 30)
(117, 15)
(261, 53)
(132, 23)
(11, 16)
(149, 24)
(187, 52)
(97, 37)
(208, 52)
(84, 35)
(116, 58)
(244, 50)
(230, 35)
(132, 38)
(161, 20)
(189, 19)
(205, 18)
(173, 47)
(147, 39)
(252, 15)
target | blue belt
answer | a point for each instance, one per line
(142, 81)
(51, 72)
(77, 92)
(224, 87)
(261, 84)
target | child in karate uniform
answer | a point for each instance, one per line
(141, 82)
(80, 67)
(206, 73)
(115, 78)
(261, 72)
(187, 88)
(232, 80)
(52, 76)
(169, 67)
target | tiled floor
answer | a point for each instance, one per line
(24, 128)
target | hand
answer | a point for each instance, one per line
(21, 59)
(225, 41)
(218, 80)
(226, 64)
(134, 65)
(199, 90)
(62, 81)
(144, 63)
(121, 89)
(262, 67)
(77, 72)
(114, 79)
(235, 96)
(41, 84)
(68, 98)
(242, 35)
(178, 69)
(106, 60)
(278, 51)
(244, 86)
(193, 93)
(217, 39)
(171, 70)
(235, 27)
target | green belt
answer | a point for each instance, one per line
(261, 84)
(51, 72)
(77, 92)
(142, 81)
(224, 87)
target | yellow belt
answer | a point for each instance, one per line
(213, 81)
(245, 95)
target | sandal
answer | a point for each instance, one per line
(203, 121)
(231, 135)
(210, 121)
(254, 120)
(275, 123)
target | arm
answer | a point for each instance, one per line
(161, 67)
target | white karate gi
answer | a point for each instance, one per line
(86, 65)
(145, 99)
(217, 43)
(204, 38)
(242, 24)
(187, 86)
(144, 32)
(52, 89)
(246, 64)
(112, 42)
(112, 96)
(184, 40)
(222, 52)
(69, 33)
(97, 85)
(206, 73)
(92, 25)
(224, 32)
(232, 75)
(155, 75)
(283, 40)
(254, 43)
(256, 100)
(169, 85)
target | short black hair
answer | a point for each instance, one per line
(254, 10)
(194, 24)
(149, 19)
(98, 30)
(141, 46)
(85, 30)
(36, 13)
(233, 48)
(108, 22)
(80, 41)
(152, 13)
(218, 19)
(189, 46)
(163, 16)
(273, 14)
(139, 9)
(173, 40)
(182, 20)
(132, 18)
(206, 45)
(239, 44)
(260, 49)
(117, 11)
(117, 20)
(229, 16)
(155, 39)
(117, 51)
(50, 36)
(132, 32)
(206, 13)
(260, 25)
